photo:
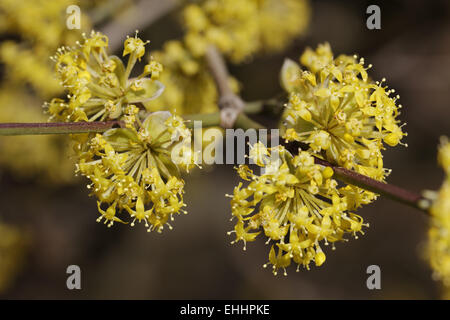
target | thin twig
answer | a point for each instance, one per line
(207, 119)
(13, 129)
(230, 104)
(219, 71)
(214, 120)
(389, 190)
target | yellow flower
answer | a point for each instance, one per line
(154, 69)
(259, 153)
(295, 203)
(439, 232)
(135, 47)
(242, 28)
(339, 112)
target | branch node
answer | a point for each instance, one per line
(230, 107)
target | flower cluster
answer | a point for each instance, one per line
(439, 233)
(98, 84)
(135, 169)
(242, 28)
(297, 205)
(340, 113)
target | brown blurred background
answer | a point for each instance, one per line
(196, 260)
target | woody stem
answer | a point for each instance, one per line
(14, 129)
(41, 128)
(391, 191)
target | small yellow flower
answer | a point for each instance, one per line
(295, 203)
(259, 153)
(154, 69)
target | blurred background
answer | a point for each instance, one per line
(52, 225)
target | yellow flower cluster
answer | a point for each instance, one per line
(295, 203)
(98, 84)
(242, 28)
(439, 233)
(13, 245)
(137, 168)
(131, 169)
(339, 112)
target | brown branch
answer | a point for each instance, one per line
(12, 129)
(389, 190)
(230, 104)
